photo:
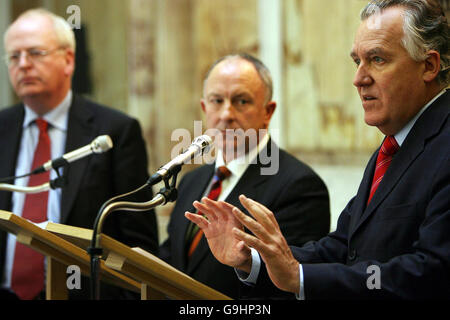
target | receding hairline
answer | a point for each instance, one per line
(63, 37)
(250, 60)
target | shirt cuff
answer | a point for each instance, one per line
(301, 293)
(250, 279)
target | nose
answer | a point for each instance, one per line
(362, 77)
(227, 111)
(24, 60)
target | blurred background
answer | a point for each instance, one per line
(148, 58)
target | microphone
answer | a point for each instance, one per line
(200, 145)
(98, 145)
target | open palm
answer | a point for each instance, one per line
(218, 229)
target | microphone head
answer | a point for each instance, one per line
(204, 142)
(101, 144)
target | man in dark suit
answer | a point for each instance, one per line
(392, 239)
(40, 56)
(237, 98)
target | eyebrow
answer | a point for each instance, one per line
(22, 49)
(242, 94)
(369, 53)
(235, 95)
(374, 51)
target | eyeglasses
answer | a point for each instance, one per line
(33, 54)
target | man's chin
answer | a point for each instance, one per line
(28, 93)
(384, 126)
(371, 119)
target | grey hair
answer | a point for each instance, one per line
(62, 28)
(425, 28)
(260, 68)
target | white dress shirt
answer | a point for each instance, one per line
(237, 167)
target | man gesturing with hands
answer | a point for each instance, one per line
(231, 245)
(398, 221)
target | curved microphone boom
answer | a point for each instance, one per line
(98, 145)
(200, 145)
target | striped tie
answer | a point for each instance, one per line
(216, 187)
(385, 155)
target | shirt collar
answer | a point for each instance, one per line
(56, 117)
(239, 165)
(402, 134)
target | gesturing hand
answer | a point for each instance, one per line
(282, 267)
(218, 228)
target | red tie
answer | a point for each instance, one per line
(216, 187)
(28, 269)
(387, 151)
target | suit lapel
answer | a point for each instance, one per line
(250, 184)
(253, 181)
(11, 133)
(359, 205)
(400, 163)
(427, 126)
(80, 132)
(192, 191)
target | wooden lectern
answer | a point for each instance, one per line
(60, 254)
(159, 279)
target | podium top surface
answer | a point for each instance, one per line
(15, 224)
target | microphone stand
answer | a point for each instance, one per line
(166, 194)
(58, 182)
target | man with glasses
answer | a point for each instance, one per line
(50, 121)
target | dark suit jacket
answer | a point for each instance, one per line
(92, 180)
(405, 229)
(296, 195)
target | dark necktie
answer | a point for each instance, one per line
(385, 155)
(27, 279)
(216, 188)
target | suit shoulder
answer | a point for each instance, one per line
(201, 170)
(9, 111)
(103, 111)
(293, 164)
(293, 170)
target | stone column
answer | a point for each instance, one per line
(141, 52)
(174, 53)
(271, 54)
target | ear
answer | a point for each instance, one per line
(202, 103)
(70, 62)
(432, 66)
(270, 109)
